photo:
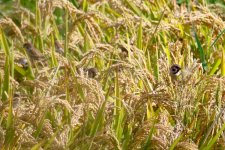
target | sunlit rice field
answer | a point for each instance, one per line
(112, 74)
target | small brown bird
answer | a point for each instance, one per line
(15, 102)
(91, 72)
(175, 70)
(32, 52)
(23, 62)
(58, 47)
(124, 52)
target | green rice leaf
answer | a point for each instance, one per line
(215, 66)
(10, 131)
(214, 139)
(140, 35)
(6, 82)
(223, 64)
(134, 8)
(174, 144)
(85, 5)
(201, 52)
(217, 38)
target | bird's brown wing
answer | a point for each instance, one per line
(35, 54)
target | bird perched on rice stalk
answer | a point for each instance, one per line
(33, 54)
(58, 47)
(175, 70)
(91, 72)
(124, 52)
(180, 75)
(23, 62)
(88, 72)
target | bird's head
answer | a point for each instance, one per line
(175, 70)
(92, 72)
(28, 46)
(23, 62)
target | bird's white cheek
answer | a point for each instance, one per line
(178, 73)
